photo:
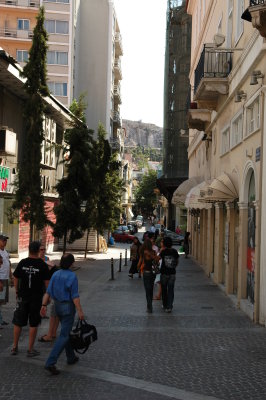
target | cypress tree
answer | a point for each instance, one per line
(29, 196)
(75, 188)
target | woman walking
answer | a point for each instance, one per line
(134, 257)
(148, 255)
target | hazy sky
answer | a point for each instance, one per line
(142, 25)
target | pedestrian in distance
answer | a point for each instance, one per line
(134, 257)
(169, 258)
(53, 319)
(186, 244)
(63, 289)
(148, 255)
(5, 276)
(30, 277)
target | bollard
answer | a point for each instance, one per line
(112, 269)
(125, 258)
(120, 263)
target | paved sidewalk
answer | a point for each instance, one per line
(205, 350)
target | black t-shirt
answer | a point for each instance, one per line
(169, 261)
(31, 272)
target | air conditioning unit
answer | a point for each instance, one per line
(10, 2)
(53, 131)
(30, 34)
(8, 141)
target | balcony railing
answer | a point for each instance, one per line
(212, 64)
(256, 2)
(8, 32)
(14, 33)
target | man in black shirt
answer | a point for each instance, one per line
(169, 258)
(30, 278)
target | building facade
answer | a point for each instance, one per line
(176, 84)
(226, 121)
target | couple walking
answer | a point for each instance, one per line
(169, 261)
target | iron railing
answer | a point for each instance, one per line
(256, 3)
(212, 64)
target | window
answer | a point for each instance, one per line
(239, 20)
(58, 88)
(253, 116)
(236, 131)
(22, 55)
(225, 141)
(23, 24)
(229, 24)
(57, 57)
(54, 26)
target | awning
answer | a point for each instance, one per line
(194, 198)
(221, 189)
(179, 196)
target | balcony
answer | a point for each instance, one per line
(211, 76)
(7, 32)
(117, 94)
(115, 144)
(198, 118)
(118, 70)
(118, 45)
(257, 10)
(117, 119)
(14, 33)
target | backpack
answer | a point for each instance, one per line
(82, 336)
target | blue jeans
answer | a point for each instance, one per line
(148, 280)
(168, 285)
(66, 314)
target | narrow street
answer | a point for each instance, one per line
(141, 356)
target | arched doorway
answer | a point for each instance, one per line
(251, 239)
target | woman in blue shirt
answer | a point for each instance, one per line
(63, 289)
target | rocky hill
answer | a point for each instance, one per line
(143, 134)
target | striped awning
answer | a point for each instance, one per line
(195, 197)
(179, 196)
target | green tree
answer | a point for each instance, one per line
(145, 195)
(109, 185)
(75, 189)
(29, 196)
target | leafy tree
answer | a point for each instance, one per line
(145, 195)
(109, 184)
(75, 188)
(29, 196)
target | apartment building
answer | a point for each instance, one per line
(226, 186)
(17, 21)
(176, 84)
(98, 71)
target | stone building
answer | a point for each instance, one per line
(226, 186)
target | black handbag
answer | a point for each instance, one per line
(82, 336)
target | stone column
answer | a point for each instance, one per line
(229, 274)
(218, 243)
(210, 240)
(242, 259)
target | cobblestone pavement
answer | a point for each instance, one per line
(205, 350)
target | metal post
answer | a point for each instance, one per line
(112, 269)
(120, 262)
(125, 258)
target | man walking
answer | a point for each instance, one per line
(169, 258)
(63, 289)
(30, 278)
(5, 275)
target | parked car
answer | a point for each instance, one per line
(121, 235)
(177, 239)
